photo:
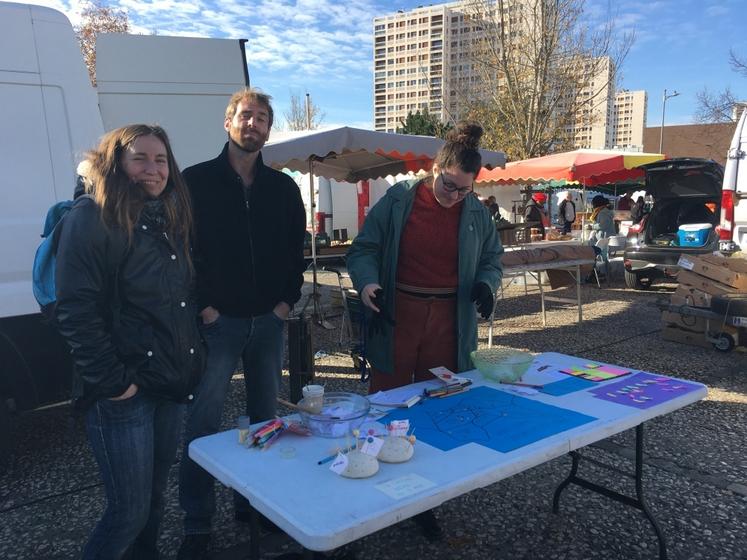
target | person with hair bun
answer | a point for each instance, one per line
(427, 253)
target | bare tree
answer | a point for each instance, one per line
(298, 118)
(716, 107)
(537, 76)
(98, 17)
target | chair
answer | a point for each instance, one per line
(616, 242)
(601, 252)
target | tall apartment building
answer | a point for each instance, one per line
(592, 128)
(411, 54)
(421, 62)
(629, 119)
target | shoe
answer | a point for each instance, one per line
(429, 526)
(264, 523)
(194, 547)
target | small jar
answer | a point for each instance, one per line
(244, 425)
(313, 398)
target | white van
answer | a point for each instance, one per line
(49, 118)
(733, 227)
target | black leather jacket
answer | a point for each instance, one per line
(144, 329)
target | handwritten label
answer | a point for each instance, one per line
(372, 446)
(339, 464)
(404, 486)
(398, 428)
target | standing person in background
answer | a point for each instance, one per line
(427, 253)
(250, 224)
(124, 305)
(534, 213)
(493, 208)
(568, 212)
(602, 219)
(636, 210)
(624, 202)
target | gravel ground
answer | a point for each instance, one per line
(695, 474)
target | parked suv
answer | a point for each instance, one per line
(685, 191)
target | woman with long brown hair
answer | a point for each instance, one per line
(124, 280)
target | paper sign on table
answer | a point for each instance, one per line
(404, 486)
(447, 376)
(566, 386)
(643, 390)
(398, 428)
(372, 445)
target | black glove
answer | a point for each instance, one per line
(482, 295)
(376, 325)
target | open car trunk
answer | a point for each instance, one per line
(685, 192)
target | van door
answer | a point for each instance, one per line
(733, 229)
(180, 83)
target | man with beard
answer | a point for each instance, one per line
(250, 224)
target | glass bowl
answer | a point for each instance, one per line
(501, 364)
(341, 414)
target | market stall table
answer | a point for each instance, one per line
(541, 256)
(323, 511)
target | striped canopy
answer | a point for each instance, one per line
(585, 167)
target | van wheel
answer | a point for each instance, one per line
(637, 281)
(6, 441)
(724, 343)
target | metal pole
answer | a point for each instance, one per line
(661, 130)
(308, 111)
(663, 109)
(312, 211)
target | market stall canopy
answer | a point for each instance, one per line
(354, 154)
(586, 167)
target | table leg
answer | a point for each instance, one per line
(638, 502)
(254, 534)
(542, 297)
(578, 293)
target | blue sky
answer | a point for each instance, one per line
(325, 46)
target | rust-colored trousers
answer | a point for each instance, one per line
(425, 337)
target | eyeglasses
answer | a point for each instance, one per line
(450, 187)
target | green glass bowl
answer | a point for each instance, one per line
(500, 364)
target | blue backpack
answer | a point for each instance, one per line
(45, 260)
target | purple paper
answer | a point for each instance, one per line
(643, 390)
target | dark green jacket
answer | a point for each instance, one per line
(372, 258)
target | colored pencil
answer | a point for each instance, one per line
(517, 384)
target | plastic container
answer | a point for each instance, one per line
(693, 235)
(313, 398)
(341, 414)
(499, 364)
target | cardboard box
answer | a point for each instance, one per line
(704, 284)
(729, 271)
(683, 336)
(687, 295)
(688, 322)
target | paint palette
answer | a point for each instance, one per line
(596, 372)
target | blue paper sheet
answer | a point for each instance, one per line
(565, 386)
(489, 417)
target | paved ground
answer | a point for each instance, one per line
(696, 473)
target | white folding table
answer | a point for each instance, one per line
(323, 511)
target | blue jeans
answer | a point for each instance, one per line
(258, 341)
(134, 442)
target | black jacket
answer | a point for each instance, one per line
(248, 251)
(533, 216)
(144, 329)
